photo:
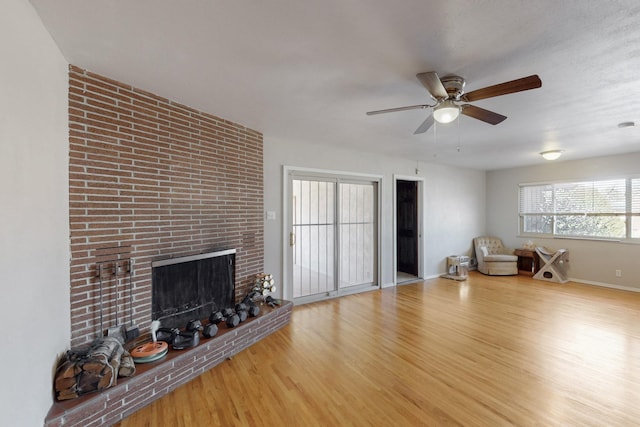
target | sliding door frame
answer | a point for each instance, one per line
(287, 221)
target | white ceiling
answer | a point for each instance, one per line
(309, 70)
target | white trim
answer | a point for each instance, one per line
(289, 168)
(605, 285)
(585, 178)
(286, 221)
(328, 295)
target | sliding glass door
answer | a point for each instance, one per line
(357, 234)
(333, 236)
(313, 237)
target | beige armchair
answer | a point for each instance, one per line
(493, 258)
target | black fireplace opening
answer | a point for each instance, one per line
(192, 287)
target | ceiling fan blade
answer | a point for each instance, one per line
(518, 85)
(393, 110)
(431, 81)
(425, 125)
(482, 114)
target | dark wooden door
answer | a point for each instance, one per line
(407, 226)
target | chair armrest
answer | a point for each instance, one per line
(481, 252)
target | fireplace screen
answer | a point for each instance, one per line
(192, 287)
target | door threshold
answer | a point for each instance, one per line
(404, 278)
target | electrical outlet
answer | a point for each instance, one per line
(618, 273)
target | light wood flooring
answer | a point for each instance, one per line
(488, 351)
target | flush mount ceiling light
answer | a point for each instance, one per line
(551, 154)
(446, 112)
(626, 125)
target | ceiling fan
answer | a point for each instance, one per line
(448, 92)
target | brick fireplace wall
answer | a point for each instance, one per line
(150, 178)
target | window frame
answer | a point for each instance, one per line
(631, 210)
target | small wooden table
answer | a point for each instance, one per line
(528, 261)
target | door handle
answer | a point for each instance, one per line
(292, 239)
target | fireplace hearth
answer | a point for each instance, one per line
(156, 379)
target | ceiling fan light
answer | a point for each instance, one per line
(551, 154)
(446, 112)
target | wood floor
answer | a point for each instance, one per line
(489, 351)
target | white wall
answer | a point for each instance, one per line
(590, 261)
(454, 201)
(34, 230)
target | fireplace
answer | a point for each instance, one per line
(149, 176)
(192, 287)
(152, 177)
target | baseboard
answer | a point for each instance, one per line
(605, 285)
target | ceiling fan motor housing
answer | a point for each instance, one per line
(454, 86)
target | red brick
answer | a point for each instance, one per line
(177, 179)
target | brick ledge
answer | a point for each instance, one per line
(154, 380)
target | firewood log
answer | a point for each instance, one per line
(105, 348)
(90, 369)
(67, 369)
(62, 383)
(88, 382)
(71, 393)
(127, 366)
(94, 366)
(113, 368)
(106, 380)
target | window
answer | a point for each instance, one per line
(606, 209)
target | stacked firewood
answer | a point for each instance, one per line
(94, 368)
